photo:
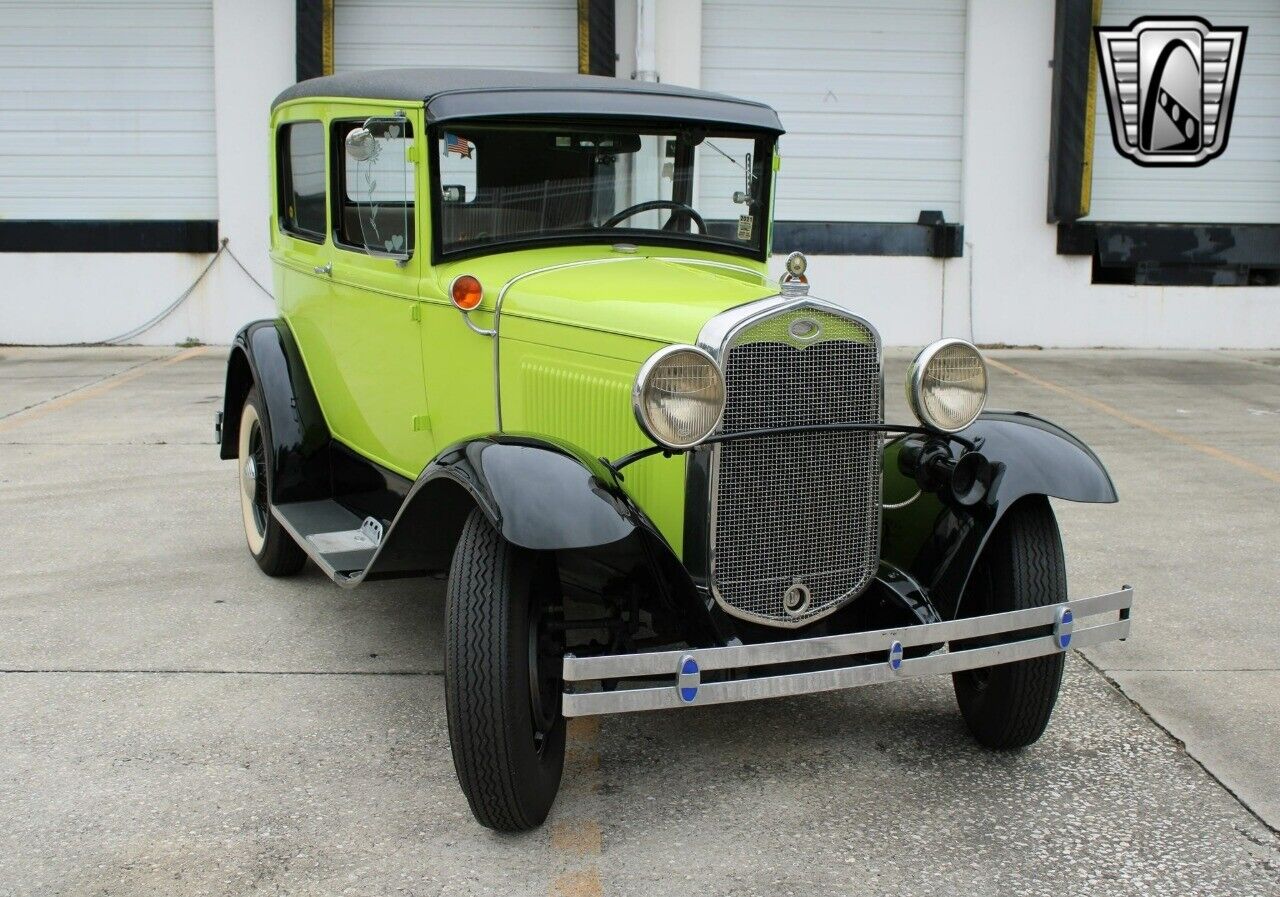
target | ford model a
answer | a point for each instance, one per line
(526, 338)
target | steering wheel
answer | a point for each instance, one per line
(680, 210)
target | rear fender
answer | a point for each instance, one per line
(264, 353)
(939, 544)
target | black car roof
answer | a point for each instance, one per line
(453, 93)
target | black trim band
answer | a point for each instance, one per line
(1071, 113)
(1176, 254)
(108, 236)
(939, 240)
(1123, 243)
(312, 29)
(597, 49)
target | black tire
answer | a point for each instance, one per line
(502, 678)
(270, 543)
(1008, 706)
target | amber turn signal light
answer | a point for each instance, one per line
(466, 292)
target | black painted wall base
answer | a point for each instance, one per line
(1176, 254)
(108, 236)
(940, 240)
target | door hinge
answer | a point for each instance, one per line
(415, 312)
(422, 423)
(411, 153)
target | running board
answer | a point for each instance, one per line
(341, 544)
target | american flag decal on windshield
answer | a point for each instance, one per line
(455, 144)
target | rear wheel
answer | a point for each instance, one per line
(1008, 706)
(269, 542)
(502, 678)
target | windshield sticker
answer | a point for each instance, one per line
(455, 144)
(745, 225)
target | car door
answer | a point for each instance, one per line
(376, 400)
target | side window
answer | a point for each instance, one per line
(374, 186)
(301, 176)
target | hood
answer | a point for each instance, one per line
(666, 299)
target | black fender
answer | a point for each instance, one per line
(265, 353)
(938, 543)
(543, 495)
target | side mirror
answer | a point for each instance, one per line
(361, 145)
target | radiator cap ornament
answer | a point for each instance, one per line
(793, 282)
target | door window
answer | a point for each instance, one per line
(374, 186)
(301, 177)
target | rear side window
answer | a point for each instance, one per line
(302, 199)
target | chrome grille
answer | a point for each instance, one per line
(798, 509)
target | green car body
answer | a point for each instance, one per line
(463, 375)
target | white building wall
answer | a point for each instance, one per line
(61, 297)
(1010, 287)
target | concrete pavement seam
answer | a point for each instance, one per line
(1192, 757)
(97, 388)
(75, 389)
(1203, 448)
(51, 671)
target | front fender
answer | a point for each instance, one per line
(939, 544)
(539, 494)
(542, 495)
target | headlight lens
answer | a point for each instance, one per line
(678, 396)
(947, 385)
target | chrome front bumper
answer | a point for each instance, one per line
(684, 669)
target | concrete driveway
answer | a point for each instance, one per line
(177, 724)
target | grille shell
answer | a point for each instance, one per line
(798, 508)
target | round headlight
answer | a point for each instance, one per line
(947, 385)
(678, 396)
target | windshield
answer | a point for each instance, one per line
(587, 182)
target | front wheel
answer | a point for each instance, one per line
(1008, 706)
(502, 678)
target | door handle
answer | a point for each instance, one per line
(326, 269)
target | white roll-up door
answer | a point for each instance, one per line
(1242, 186)
(106, 110)
(871, 94)
(540, 35)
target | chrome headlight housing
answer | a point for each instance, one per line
(947, 385)
(678, 396)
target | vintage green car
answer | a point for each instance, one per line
(527, 338)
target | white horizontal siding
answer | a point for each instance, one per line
(1243, 184)
(871, 93)
(540, 35)
(106, 109)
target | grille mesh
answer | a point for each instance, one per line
(800, 508)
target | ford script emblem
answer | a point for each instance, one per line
(688, 678)
(1062, 628)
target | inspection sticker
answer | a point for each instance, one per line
(745, 225)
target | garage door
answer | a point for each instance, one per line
(871, 94)
(1242, 186)
(541, 35)
(106, 110)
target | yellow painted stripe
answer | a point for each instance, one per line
(580, 839)
(1090, 118)
(326, 39)
(578, 884)
(97, 389)
(1111, 411)
(584, 37)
